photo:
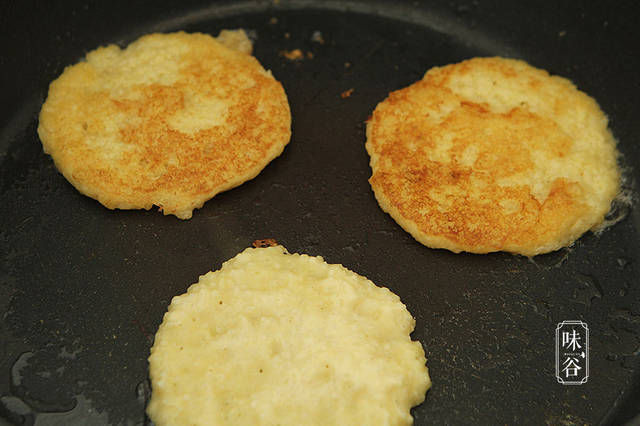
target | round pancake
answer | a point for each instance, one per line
(170, 121)
(492, 154)
(277, 338)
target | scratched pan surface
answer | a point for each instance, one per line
(83, 289)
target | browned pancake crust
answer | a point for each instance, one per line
(485, 156)
(171, 121)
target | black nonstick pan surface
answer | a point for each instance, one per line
(83, 289)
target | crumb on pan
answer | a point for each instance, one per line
(316, 37)
(293, 55)
(347, 93)
(267, 242)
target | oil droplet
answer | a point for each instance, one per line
(18, 366)
(622, 262)
(65, 354)
(612, 357)
(620, 206)
(630, 361)
(143, 391)
(82, 413)
(551, 260)
(14, 409)
(588, 289)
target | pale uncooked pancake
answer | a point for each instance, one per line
(492, 154)
(285, 339)
(170, 121)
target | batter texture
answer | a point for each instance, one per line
(277, 338)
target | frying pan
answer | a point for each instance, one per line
(83, 289)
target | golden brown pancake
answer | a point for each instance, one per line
(170, 121)
(285, 339)
(492, 154)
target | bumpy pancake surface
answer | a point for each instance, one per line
(492, 154)
(171, 121)
(273, 338)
